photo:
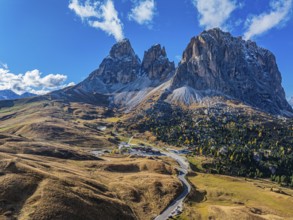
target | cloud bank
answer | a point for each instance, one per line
(143, 12)
(260, 24)
(99, 15)
(214, 13)
(31, 81)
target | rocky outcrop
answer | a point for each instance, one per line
(120, 67)
(215, 63)
(156, 64)
(121, 80)
(122, 70)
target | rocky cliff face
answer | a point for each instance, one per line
(123, 70)
(120, 67)
(122, 80)
(156, 64)
(215, 63)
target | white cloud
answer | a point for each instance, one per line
(99, 15)
(279, 13)
(71, 84)
(84, 11)
(214, 13)
(178, 57)
(110, 23)
(31, 81)
(143, 12)
(3, 65)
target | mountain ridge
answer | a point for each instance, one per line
(215, 67)
(7, 94)
(214, 64)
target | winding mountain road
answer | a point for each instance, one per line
(176, 206)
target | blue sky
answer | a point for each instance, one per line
(48, 44)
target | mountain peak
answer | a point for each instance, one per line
(156, 50)
(7, 94)
(122, 49)
(214, 64)
(217, 64)
(216, 32)
(156, 64)
(119, 68)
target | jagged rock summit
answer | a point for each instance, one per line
(156, 64)
(122, 80)
(214, 64)
(121, 66)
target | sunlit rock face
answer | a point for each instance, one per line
(217, 63)
(121, 66)
(156, 64)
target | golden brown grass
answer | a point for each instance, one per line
(39, 187)
(74, 124)
(46, 171)
(224, 197)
